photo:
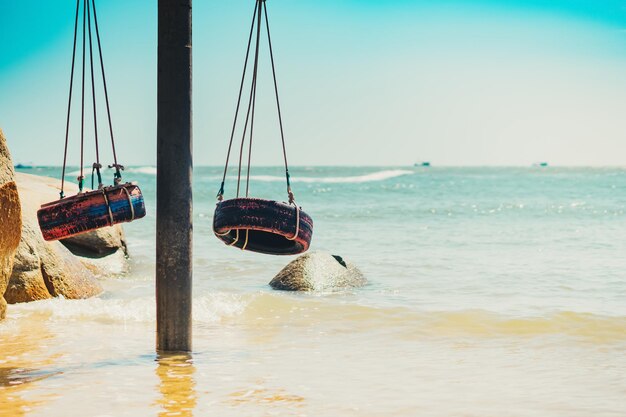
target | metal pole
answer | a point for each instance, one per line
(174, 173)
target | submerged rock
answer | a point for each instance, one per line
(318, 271)
(10, 219)
(65, 268)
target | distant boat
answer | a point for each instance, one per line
(22, 166)
(423, 164)
(540, 164)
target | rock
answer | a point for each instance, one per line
(66, 268)
(318, 271)
(27, 282)
(64, 274)
(47, 269)
(98, 243)
(11, 219)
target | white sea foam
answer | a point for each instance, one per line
(210, 308)
(374, 176)
(142, 170)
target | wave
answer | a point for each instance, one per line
(147, 170)
(305, 310)
(207, 309)
(142, 170)
(375, 176)
(372, 177)
(420, 324)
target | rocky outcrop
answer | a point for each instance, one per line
(47, 269)
(98, 243)
(26, 283)
(67, 268)
(318, 271)
(10, 219)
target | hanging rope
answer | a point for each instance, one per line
(245, 127)
(96, 165)
(117, 177)
(250, 112)
(260, 9)
(81, 177)
(220, 193)
(69, 104)
(280, 118)
(88, 7)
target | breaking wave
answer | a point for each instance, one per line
(276, 310)
(142, 170)
(375, 176)
(138, 170)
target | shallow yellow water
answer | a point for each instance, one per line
(267, 354)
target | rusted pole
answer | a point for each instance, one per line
(174, 173)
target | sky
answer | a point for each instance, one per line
(362, 82)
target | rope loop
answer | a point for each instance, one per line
(220, 193)
(236, 238)
(292, 198)
(246, 242)
(221, 234)
(117, 177)
(95, 168)
(106, 200)
(295, 235)
(130, 202)
(80, 183)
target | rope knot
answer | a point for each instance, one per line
(96, 168)
(117, 177)
(220, 193)
(80, 183)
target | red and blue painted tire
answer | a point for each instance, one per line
(92, 210)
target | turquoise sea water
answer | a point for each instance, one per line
(492, 292)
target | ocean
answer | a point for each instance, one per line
(492, 292)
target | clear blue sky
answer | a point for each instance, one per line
(362, 82)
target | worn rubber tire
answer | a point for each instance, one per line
(268, 225)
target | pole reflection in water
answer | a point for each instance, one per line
(177, 385)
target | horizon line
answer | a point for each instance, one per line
(534, 165)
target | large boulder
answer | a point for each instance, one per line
(67, 268)
(47, 269)
(318, 271)
(97, 243)
(27, 283)
(10, 219)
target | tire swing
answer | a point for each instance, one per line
(107, 205)
(255, 224)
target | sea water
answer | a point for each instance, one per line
(491, 292)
